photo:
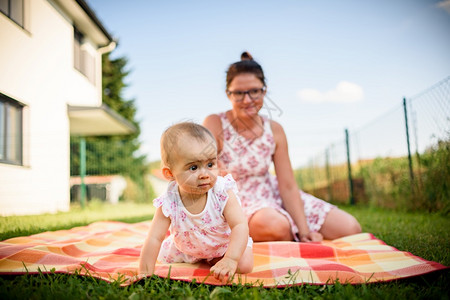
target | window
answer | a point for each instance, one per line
(10, 131)
(13, 9)
(83, 61)
(77, 42)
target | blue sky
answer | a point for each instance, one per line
(329, 65)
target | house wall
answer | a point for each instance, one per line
(36, 69)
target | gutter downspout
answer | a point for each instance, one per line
(108, 48)
(102, 50)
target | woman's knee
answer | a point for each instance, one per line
(269, 225)
(350, 224)
(353, 225)
(339, 223)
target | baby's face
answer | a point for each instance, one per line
(195, 165)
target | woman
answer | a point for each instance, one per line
(248, 143)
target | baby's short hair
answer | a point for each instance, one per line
(169, 139)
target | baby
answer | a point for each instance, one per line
(200, 208)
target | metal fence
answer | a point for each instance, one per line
(384, 162)
(101, 166)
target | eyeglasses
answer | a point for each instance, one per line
(254, 94)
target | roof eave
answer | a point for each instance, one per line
(97, 121)
(84, 18)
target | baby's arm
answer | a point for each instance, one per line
(238, 240)
(152, 244)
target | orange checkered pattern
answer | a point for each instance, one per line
(110, 251)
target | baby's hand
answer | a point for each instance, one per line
(223, 268)
(142, 276)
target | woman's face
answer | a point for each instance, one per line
(248, 106)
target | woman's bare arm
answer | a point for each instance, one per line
(289, 191)
(214, 124)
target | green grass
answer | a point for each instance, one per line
(96, 211)
(422, 234)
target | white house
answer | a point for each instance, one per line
(50, 88)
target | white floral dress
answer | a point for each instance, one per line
(249, 162)
(196, 236)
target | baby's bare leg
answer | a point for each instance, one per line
(213, 261)
(245, 264)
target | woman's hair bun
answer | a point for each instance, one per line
(245, 65)
(246, 56)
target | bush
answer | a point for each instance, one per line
(387, 183)
(138, 192)
(433, 183)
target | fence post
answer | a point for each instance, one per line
(327, 168)
(349, 167)
(82, 171)
(311, 174)
(411, 174)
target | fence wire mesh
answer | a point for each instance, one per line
(429, 113)
(385, 171)
(109, 163)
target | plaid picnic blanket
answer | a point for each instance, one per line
(110, 251)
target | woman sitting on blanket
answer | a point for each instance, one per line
(201, 208)
(248, 143)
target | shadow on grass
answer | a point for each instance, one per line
(25, 232)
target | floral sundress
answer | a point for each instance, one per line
(249, 162)
(193, 237)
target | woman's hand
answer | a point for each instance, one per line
(224, 269)
(311, 237)
(223, 172)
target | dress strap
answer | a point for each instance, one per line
(267, 127)
(224, 119)
(226, 123)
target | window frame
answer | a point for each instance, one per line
(5, 142)
(10, 12)
(83, 61)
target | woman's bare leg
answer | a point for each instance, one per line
(268, 224)
(339, 223)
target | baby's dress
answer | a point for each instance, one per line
(196, 236)
(249, 162)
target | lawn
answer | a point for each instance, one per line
(423, 234)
